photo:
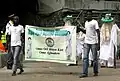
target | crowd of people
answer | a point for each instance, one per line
(97, 45)
(93, 43)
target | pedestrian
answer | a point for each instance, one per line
(10, 23)
(80, 36)
(92, 41)
(15, 32)
(68, 23)
(8, 46)
(108, 41)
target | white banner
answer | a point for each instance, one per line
(50, 44)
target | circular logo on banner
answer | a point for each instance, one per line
(49, 42)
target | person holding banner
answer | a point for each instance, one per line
(15, 33)
(68, 22)
(92, 42)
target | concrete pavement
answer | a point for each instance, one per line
(45, 71)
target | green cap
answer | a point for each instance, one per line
(107, 18)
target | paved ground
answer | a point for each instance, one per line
(44, 71)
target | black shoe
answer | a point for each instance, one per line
(95, 74)
(21, 71)
(91, 64)
(9, 66)
(14, 73)
(83, 75)
(76, 63)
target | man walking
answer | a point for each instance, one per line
(8, 46)
(15, 33)
(92, 42)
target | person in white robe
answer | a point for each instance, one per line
(10, 23)
(108, 41)
(79, 43)
(68, 23)
(113, 45)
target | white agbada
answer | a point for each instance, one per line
(68, 48)
(79, 43)
(107, 47)
(113, 45)
(68, 39)
(105, 43)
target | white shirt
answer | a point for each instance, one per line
(15, 32)
(91, 34)
(9, 24)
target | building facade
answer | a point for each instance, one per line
(48, 6)
(93, 4)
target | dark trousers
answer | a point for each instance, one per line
(9, 58)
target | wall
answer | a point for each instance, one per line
(48, 6)
(91, 4)
(105, 5)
